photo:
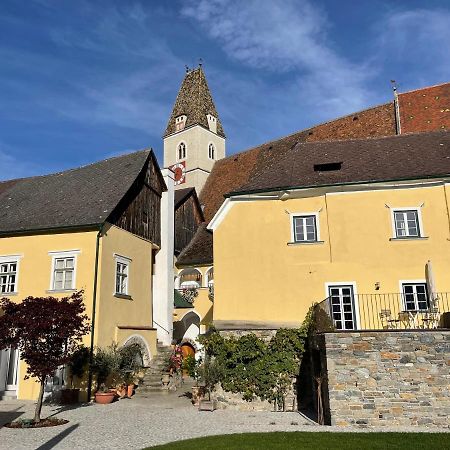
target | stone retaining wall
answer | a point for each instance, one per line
(388, 378)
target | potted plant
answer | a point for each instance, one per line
(76, 365)
(192, 366)
(104, 395)
(210, 374)
(105, 365)
(130, 364)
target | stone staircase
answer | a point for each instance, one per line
(152, 378)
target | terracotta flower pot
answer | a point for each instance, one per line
(104, 397)
(130, 389)
(121, 391)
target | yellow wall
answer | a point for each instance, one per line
(259, 278)
(114, 311)
(203, 306)
(35, 275)
(117, 319)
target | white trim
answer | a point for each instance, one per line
(190, 127)
(220, 215)
(127, 262)
(205, 283)
(303, 214)
(355, 297)
(178, 150)
(179, 285)
(344, 189)
(418, 209)
(121, 258)
(16, 259)
(10, 258)
(64, 254)
(133, 336)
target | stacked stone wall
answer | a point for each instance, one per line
(388, 378)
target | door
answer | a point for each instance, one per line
(187, 350)
(342, 304)
(12, 368)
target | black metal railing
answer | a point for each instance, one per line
(388, 311)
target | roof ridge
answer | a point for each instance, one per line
(372, 138)
(307, 129)
(424, 88)
(147, 149)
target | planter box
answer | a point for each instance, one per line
(69, 396)
(207, 405)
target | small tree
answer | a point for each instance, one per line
(46, 331)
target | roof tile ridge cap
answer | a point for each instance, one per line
(272, 141)
(425, 88)
(374, 138)
(72, 169)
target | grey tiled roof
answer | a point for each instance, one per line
(195, 101)
(403, 157)
(199, 251)
(80, 197)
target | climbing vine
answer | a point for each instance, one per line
(257, 368)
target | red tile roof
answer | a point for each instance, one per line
(426, 109)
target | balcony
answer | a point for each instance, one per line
(397, 311)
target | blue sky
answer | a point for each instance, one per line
(83, 80)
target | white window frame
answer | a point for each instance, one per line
(63, 254)
(419, 220)
(303, 214)
(207, 283)
(355, 298)
(127, 262)
(178, 151)
(402, 294)
(12, 259)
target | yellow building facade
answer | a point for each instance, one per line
(366, 246)
(112, 262)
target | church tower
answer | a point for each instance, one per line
(194, 137)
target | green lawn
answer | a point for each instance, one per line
(315, 441)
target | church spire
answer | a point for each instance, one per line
(194, 105)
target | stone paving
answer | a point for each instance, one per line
(142, 421)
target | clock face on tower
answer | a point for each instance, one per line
(179, 170)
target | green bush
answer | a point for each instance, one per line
(257, 368)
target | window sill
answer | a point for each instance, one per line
(123, 296)
(56, 291)
(409, 238)
(8, 294)
(305, 243)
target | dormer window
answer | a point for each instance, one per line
(181, 151)
(180, 122)
(212, 123)
(211, 151)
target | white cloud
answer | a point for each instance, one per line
(413, 46)
(288, 36)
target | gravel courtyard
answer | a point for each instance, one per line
(140, 422)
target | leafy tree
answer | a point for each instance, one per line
(46, 331)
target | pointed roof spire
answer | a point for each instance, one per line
(195, 101)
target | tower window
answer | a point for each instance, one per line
(211, 151)
(180, 122)
(182, 150)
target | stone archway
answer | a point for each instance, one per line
(138, 339)
(187, 329)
